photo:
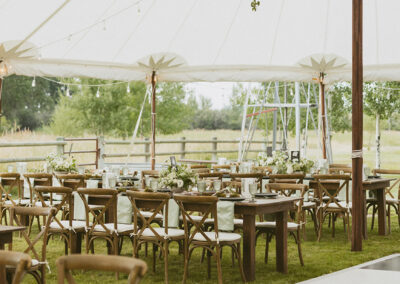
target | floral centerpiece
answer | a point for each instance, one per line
(60, 163)
(179, 177)
(280, 163)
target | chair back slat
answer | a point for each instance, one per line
(18, 260)
(393, 183)
(10, 180)
(332, 194)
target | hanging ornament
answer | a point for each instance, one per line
(98, 93)
(34, 82)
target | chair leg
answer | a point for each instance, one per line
(208, 264)
(219, 268)
(154, 257)
(388, 215)
(333, 215)
(298, 241)
(374, 209)
(239, 257)
(166, 261)
(266, 248)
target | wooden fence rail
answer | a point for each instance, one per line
(99, 149)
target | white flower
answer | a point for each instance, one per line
(180, 183)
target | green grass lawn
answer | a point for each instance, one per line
(328, 255)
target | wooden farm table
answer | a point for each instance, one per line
(378, 185)
(280, 206)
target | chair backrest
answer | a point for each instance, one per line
(201, 170)
(289, 189)
(135, 268)
(221, 168)
(18, 213)
(332, 166)
(66, 199)
(265, 170)
(9, 180)
(73, 181)
(149, 173)
(211, 175)
(345, 170)
(393, 184)
(205, 205)
(286, 178)
(343, 181)
(38, 179)
(156, 203)
(200, 166)
(111, 204)
(18, 260)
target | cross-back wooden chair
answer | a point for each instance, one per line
(144, 232)
(331, 205)
(294, 227)
(99, 229)
(8, 182)
(148, 173)
(287, 178)
(201, 170)
(73, 181)
(39, 262)
(200, 166)
(199, 238)
(64, 228)
(20, 262)
(135, 268)
(391, 200)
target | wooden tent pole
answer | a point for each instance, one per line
(323, 118)
(153, 120)
(358, 206)
(1, 89)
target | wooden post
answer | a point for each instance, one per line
(214, 148)
(183, 147)
(60, 148)
(357, 127)
(153, 120)
(147, 150)
(1, 89)
(323, 118)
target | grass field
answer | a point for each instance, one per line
(341, 147)
(326, 256)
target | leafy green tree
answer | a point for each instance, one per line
(28, 106)
(339, 107)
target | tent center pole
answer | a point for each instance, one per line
(323, 112)
(358, 207)
(153, 120)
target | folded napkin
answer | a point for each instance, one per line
(124, 210)
(245, 184)
(79, 207)
(264, 183)
(173, 214)
(27, 192)
(56, 182)
(225, 213)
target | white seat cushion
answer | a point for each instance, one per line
(342, 204)
(24, 201)
(121, 227)
(196, 218)
(75, 224)
(35, 262)
(272, 225)
(392, 200)
(148, 214)
(161, 231)
(223, 237)
(238, 222)
(307, 204)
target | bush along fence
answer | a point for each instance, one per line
(98, 149)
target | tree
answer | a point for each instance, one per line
(339, 106)
(28, 106)
(381, 105)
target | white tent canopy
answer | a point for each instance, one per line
(196, 40)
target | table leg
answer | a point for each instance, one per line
(3, 274)
(76, 242)
(281, 241)
(249, 247)
(381, 211)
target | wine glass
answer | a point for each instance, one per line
(253, 191)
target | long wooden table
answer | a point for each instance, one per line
(280, 206)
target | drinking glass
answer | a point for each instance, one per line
(217, 185)
(253, 191)
(201, 186)
(233, 169)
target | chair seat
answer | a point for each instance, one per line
(342, 204)
(308, 204)
(223, 237)
(272, 225)
(392, 201)
(121, 228)
(161, 231)
(148, 214)
(76, 224)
